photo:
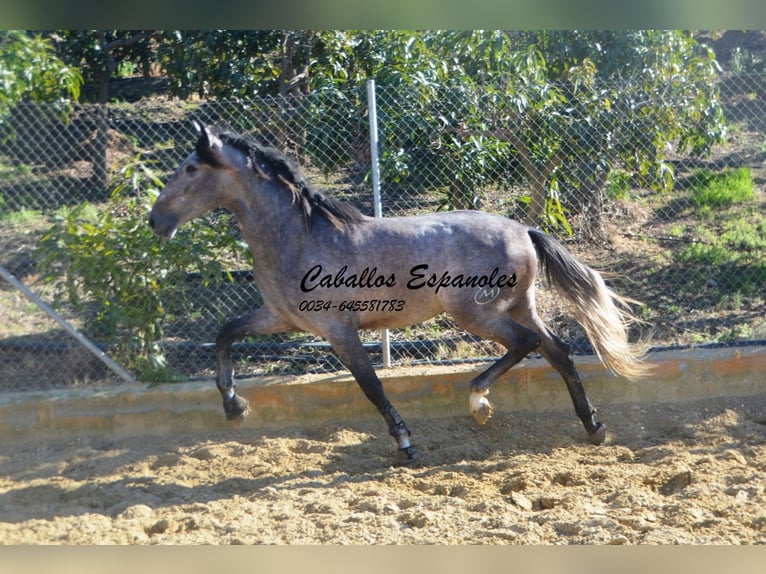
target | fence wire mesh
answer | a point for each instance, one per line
(698, 268)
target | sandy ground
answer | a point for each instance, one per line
(690, 473)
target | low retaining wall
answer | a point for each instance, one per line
(419, 391)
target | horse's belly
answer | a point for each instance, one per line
(394, 312)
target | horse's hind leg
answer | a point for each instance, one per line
(517, 339)
(555, 351)
(257, 322)
(351, 352)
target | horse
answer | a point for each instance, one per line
(325, 268)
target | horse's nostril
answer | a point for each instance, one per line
(151, 222)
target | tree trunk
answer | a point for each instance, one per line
(100, 172)
(538, 176)
(587, 197)
(460, 194)
(100, 175)
(538, 193)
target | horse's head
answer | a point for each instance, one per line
(206, 179)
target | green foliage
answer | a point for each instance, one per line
(618, 185)
(154, 368)
(233, 64)
(105, 54)
(721, 189)
(744, 61)
(106, 262)
(30, 71)
(527, 99)
(333, 125)
(554, 216)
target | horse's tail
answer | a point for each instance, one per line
(603, 313)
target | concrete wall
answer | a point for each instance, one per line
(418, 391)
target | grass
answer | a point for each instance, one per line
(729, 254)
(20, 316)
(21, 217)
(721, 189)
(734, 240)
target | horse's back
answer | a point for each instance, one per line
(472, 238)
(452, 224)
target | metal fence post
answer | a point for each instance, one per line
(378, 206)
(82, 339)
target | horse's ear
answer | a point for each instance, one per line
(207, 138)
(209, 147)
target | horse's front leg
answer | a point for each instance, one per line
(351, 352)
(257, 322)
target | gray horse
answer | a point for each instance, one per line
(325, 268)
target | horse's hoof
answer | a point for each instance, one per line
(481, 409)
(236, 410)
(407, 456)
(598, 436)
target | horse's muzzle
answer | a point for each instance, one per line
(163, 225)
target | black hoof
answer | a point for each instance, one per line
(236, 409)
(407, 456)
(598, 436)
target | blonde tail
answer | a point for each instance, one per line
(603, 314)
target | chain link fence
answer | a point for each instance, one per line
(698, 267)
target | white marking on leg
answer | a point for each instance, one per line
(481, 409)
(229, 394)
(404, 441)
(478, 399)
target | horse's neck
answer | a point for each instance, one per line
(271, 227)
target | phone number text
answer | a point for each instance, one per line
(372, 305)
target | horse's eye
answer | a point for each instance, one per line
(191, 168)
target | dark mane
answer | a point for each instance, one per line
(271, 163)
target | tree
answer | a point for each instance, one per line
(30, 71)
(564, 107)
(614, 97)
(567, 107)
(237, 64)
(100, 53)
